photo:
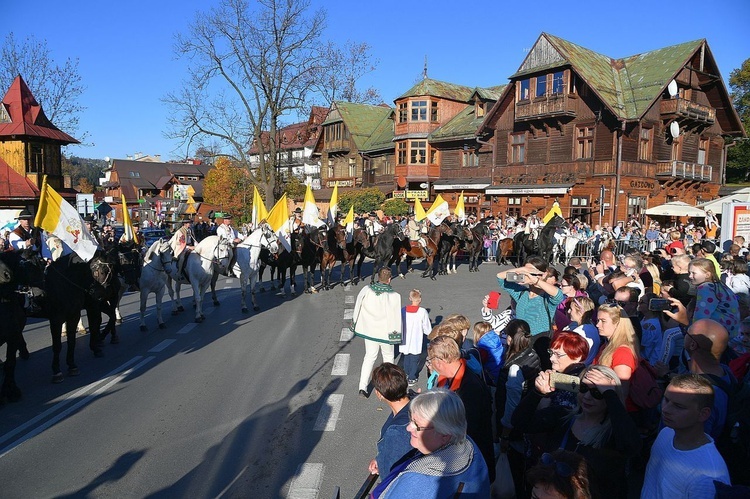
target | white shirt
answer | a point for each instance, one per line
(17, 243)
(417, 325)
(673, 473)
(227, 232)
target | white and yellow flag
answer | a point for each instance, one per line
(333, 206)
(555, 210)
(419, 213)
(127, 224)
(259, 212)
(348, 224)
(310, 213)
(460, 212)
(438, 211)
(278, 219)
(58, 217)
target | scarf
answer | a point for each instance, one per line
(380, 288)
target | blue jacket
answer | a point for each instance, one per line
(395, 441)
(492, 349)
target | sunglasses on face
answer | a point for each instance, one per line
(594, 391)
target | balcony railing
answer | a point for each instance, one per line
(683, 169)
(341, 145)
(684, 108)
(544, 107)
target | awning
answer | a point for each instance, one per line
(675, 209)
(546, 189)
(461, 185)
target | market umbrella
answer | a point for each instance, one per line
(675, 209)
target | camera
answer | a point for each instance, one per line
(514, 277)
(567, 382)
(659, 304)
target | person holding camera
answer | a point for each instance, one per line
(533, 288)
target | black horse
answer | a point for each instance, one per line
(473, 244)
(386, 248)
(106, 270)
(279, 264)
(445, 239)
(70, 286)
(27, 273)
(309, 248)
(547, 237)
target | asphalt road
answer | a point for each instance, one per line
(260, 405)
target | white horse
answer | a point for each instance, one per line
(248, 260)
(157, 266)
(202, 267)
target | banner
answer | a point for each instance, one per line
(259, 212)
(278, 219)
(348, 224)
(439, 211)
(333, 207)
(460, 212)
(310, 214)
(555, 210)
(419, 213)
(129, 234)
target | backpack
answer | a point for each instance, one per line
(644, 391)
(734, 442)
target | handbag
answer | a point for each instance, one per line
(503, 486)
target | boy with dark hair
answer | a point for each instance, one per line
(390, 386)
(684, 461)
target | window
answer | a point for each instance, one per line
(541, 86)
(517, 147)
(579, 208)
(330, 168)
(433, 156)
(352, 167)
(401, 153)
(514, 207)
(479, 109)
(135, 174)
(702, 151)
(469, 158)
(419, 110)
(558, 83)
(434, 111)
(584, 142)
(36, 158)
(403, 112)
(387, 166)
(418, 152)
(644, 144)
(524, 90)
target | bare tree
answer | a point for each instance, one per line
(351, 63)
(57, 87)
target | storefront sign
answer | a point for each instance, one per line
(642, 184)
(735, 221)
(460, 187)
(500, 191)
(421, 195)
(341, 183)
(399, 194)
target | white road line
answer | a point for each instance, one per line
(306, 481)
(348, 313)
(161, 346)
(187, 328)
(348, 287)
(88, 398)
(329, 413)
(65, 400)
(232, 482)
(349, 300)
(228, 286)
(346, 334)
(340, 364)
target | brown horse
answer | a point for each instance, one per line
(504, 250)
(351, 251)
(435, 239)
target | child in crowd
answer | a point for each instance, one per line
(416, 327)
(491, 348)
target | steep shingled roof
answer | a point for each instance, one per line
(15, 186)
(437, 88)
(382, 136)
(463, 126)
(27, 119)
(362, 120)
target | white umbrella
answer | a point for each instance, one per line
(675, 209)
(740, 196)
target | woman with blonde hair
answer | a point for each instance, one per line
(713, 299)
(621, 349)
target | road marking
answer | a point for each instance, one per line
(348, 313)
(306, 481)
(349, 300)
(161, 346)
(348, 287)
(187, 328)
(80, 403)
(329, 413)
(346, 334)
(226, 489)
(227, 286)
(340, 364)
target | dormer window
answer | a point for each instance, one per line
(135, 174)
(478, 109)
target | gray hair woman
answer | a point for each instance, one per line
(444, 460)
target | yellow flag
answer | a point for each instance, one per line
(419, 213)
(438, 211)
(129, 234)
(333, 206)
(460, 212)
(259, 208)
(555, 210)
(278, 219)
(348, 222)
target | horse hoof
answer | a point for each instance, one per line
(97, 353)
(58, 378)
(162, 326)
(115, 340)
(144, 329)
(73, 371)
(180, 308)
(245, 310)
(216, 303)
(118, 322)
(434, 278)
(256, 308)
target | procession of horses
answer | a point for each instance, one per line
(59, 290)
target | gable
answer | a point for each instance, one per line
(542, 56)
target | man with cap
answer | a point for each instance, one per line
(20, 238)
(373, 226)
(295, 221)
(415, 234)
(187, 229)
(90, 222)
(226, 231)
(532, 224)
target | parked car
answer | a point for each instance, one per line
(152, 235)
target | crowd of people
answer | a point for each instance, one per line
(620, 376)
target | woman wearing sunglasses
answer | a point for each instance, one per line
(599, 428)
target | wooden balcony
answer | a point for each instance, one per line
(682, 169)
(553, 106)
(334, 146)
(683, 108)
(418, 171)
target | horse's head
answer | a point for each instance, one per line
(270, 239)
(360, 236)
(397, 231)
(102, 269)
(298, 243)
(222, 253)
(163, 251)
(319, 239)
(339, 235)
(6, 274)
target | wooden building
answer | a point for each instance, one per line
(30, 148)
(625, 134)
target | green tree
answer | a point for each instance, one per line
(363, 200)
(738, 157)
(295, 189)
(393, 207)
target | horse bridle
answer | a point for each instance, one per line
(96, 272)
(164, 265)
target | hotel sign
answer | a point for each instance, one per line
(422, 195)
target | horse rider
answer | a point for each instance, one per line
(415, 234)
(90, 222)
(373, 226)
(532, 225)
(226, 231)
(187, 229)
(21, 238)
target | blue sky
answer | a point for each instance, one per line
(127, 64)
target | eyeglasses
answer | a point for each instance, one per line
(429, 360)
(552, 353)
(594, 391)
(562, 469)
(420, 428)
